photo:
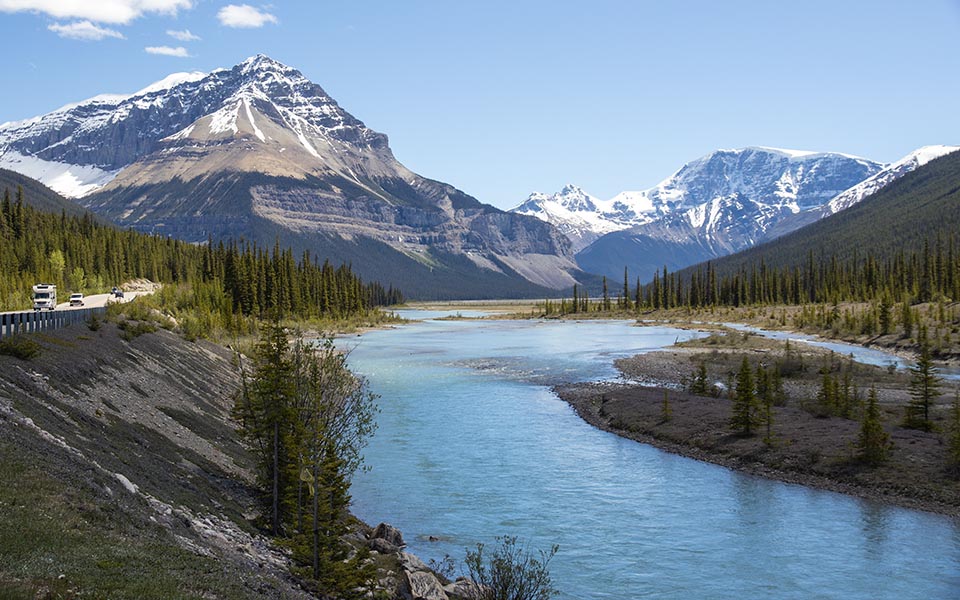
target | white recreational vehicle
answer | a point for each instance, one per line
(44, 296)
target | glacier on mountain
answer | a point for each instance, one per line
(776, 182)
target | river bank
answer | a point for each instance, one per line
(124, 475)
(805, 449)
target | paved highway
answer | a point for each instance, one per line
(98, 300)
(94, 301)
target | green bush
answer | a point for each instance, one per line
(20, 347)
(130, 329)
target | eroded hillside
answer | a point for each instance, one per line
(122, 474)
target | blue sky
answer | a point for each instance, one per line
(501, 98)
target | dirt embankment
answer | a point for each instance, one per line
(804, 448)
(123, 476)
(124, 473)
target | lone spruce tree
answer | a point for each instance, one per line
(765, 399)
(873, 443)
(266, 417)
(700, 384)
(744, 401)
(953, 449)
(924, 388)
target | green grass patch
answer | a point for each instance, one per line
(59, 540)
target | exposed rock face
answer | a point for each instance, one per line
(425, 586)
(382, 546)
(412, 563)
(389, 534)
(259, 150)
(462, 588)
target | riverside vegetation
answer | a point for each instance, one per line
(792, 412)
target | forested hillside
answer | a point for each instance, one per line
(80, 254)
(900, 242)
(36, 194)
(900, 217)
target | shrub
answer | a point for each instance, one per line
(20, 347)
(512, 572)
(130, 329)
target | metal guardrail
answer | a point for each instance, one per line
(36, 321)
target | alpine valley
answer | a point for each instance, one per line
(260, 153)
(724, 202)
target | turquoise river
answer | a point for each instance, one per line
(472, 444)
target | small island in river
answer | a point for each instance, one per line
(815, 424)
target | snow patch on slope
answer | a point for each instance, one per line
(225, 119)
(72, 181)
(888, 175)
(256, 130)
(172, 80)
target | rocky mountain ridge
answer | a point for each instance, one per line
(719, 204)
(259, 152)
(709, 194)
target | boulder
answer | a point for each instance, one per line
(412, 563)
(425, 586)
(463, 588)
(389, 533)
(382, 546)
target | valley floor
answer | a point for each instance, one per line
(805, 449)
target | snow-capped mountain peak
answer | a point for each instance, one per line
(581, 216)
(758, 185)
(890, 173)
(259, 99)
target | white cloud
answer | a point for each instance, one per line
(183, 36)
(179, 51)
(243, 16)
(84, 30)
(118, 12)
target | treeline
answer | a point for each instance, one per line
(925, 276)
(79, 254)
(931, 275)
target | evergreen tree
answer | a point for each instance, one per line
(626, 291)
(744, 419)
(826, 395)
(885, 317)
(265, 413)
(700, 385)
(765, 396)
(666, 412)
(873, 443)
(906, 318)
(953, 446)
(924, 388)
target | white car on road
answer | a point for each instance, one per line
(76, 299)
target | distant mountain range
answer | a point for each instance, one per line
(719, 204)
(261, 153)
(919, 210)
(258, 152)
